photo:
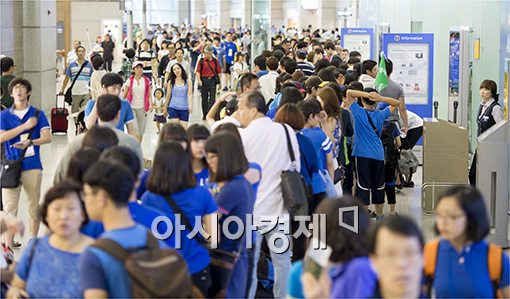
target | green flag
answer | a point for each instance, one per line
(381, 80)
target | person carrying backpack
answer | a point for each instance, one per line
(391, 142)
(126, 261)
(460, 263)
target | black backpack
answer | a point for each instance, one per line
(390, 149)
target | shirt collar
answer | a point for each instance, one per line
(108, 125)
(488, 103)
(11, 109)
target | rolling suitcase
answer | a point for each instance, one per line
(59, 119)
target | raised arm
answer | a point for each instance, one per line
(352, 94)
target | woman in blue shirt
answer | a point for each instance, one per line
(48, 267)
(198, 135)
(172, 179)
(227, 162)
(179, 99)
(349, 270)
(461, 266)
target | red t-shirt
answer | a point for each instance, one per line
(205, 71)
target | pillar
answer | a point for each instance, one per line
(39, 50)
(327, 14)
(224, 14)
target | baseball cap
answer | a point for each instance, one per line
(137, 63)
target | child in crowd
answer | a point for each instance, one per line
(127, 63)
(157, 106)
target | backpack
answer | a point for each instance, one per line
(407, 163)
(494, 262)
(390, 149)
(150, 269)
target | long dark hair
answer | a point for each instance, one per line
(173, 76)
(172, 171)
(231, 158)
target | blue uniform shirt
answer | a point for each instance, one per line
(465, 274)
(9, 121)
(230, 52)
(367, 143)
(193, 202)
(126, 113)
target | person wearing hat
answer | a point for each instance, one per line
(208, 70)
(137, 91)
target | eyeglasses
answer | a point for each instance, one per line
(409, 255)
(449, 218)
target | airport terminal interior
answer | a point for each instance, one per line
(310, 148)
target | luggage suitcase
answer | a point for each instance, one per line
(59, 121)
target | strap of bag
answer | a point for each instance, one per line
(371, 123)
(112, 248)
(494, 259)
(209, 65)
(30, 133)
(289, 145)
(78, 74)
(177, 210)
(430, 251)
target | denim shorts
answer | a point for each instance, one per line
(182, 115)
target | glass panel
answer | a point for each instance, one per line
(261, 25)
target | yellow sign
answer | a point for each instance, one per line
(505, 94)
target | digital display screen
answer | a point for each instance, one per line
(454, 76)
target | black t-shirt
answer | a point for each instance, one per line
(108, 47)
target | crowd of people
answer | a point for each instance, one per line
(305, 107)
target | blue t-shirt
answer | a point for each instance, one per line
(85, 74)
(469, 278)
(234, 199)
(219, 52)
(294, 285)
(126, 113)
(271, 113)
(93, 229)
(230, 52)
(353, 279)
(309, 163)
(193, 202)
(367, 143)
(262, 73)
(322, 146)
(145, 215)
(9, 121)
(53, 273)
(105, 272)
(202, 177)
(179, 97)
(143, 183)
(255, 185)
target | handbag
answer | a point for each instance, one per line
(11, 169)
(222, 262)
(68, 97)
(293, 185)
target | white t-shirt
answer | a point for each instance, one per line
(184, 64)
(159, 105)
(138, 93)
(95, 83)
(162, 53)
(20, 113)
(239, 67)
(415, 121)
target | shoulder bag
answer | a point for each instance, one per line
(293, 185)
(68, 97)
(10, 174)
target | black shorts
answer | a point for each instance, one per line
(228, 66)
(370, 176)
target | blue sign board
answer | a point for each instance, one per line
(412, 55)
(358, 39)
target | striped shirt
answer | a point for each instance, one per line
(307, 68)
(146, 57)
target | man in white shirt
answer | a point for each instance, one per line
(161, 38)
(369, 72)
(265, 143)
(268, 81)
(179, 58)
